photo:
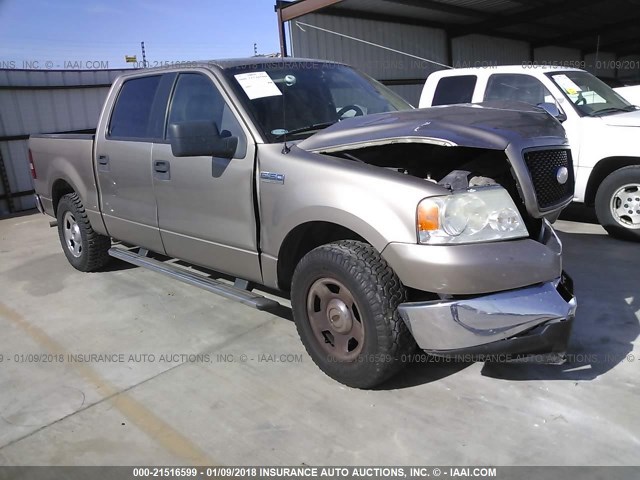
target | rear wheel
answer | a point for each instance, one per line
(618, 203)
(85, 249)
(345, 298)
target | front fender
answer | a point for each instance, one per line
(377, 204)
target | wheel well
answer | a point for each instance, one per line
(60, 188)
(304, 238)
(604, 168)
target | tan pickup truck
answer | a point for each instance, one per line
(390, 228)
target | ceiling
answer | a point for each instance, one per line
(587, 25)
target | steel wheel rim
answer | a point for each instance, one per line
(335, 319)
(72, 235)
(625, 206)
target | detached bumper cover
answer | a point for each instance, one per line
(534, 319)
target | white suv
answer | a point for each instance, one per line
(603, 129)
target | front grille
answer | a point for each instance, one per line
(543, 166)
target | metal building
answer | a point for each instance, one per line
(36, 101)
(600, 36)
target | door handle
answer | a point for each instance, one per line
(103, 159)
(162, 169)
(161, 166)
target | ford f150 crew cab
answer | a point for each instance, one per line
(603, 129)
(389, 227)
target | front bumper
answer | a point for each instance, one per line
(477, 268)
(535, 319)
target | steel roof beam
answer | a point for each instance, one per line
(443, 7)
(293, 10)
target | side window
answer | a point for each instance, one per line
(451, 90)
(519, 87)
(132, 114)
(197, 99)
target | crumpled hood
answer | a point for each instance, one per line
(492, 125)
(628, 119)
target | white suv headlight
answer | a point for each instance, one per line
(481, 214)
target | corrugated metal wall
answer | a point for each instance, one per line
(476, 50)
(601, 64)
(629, 67)
(468, 51)
(33, 101)
(556, 54)
(381, 64)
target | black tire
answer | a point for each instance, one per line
(376, 292)
(87, 251)
(609, 194)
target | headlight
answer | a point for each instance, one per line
(475, 215)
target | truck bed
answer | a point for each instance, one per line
(61, 160)
(87, 134)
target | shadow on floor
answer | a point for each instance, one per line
(23, 213)
(579, 212)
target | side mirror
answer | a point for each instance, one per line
(553, 110)
(200, 138)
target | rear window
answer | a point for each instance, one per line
(518, 87)
(451, 90)
(131, 117)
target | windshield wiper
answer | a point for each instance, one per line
(308, 128)
(604, 111)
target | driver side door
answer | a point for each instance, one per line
(206, 205)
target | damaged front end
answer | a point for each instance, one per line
(530, 320)
(485, 273)
(466, 147)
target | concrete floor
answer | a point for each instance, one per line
(219, 410)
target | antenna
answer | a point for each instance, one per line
(144, 56)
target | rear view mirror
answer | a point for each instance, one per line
(200, 138)
(553, 110)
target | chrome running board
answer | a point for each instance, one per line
(242, 295)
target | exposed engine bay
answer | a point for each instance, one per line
(455, 168)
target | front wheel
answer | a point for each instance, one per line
(618, 203)
(85, 249)
(345, 298)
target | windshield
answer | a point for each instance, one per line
(295, 99)
(589, 95)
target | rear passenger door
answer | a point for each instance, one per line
(206, 205)
(123, 159)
